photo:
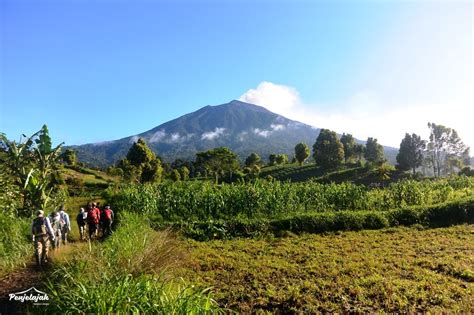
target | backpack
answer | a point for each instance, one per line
(62, 221)
(39, 227)
(81, 218)
(56, 223)
(108, 214)
(93, 216)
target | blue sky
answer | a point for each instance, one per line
(102, 70)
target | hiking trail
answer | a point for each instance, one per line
(29, 276)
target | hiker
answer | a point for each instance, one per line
(81, 220)
(65, 224)
(93, 218)
(107, 220)
(55, 219)
(40, 229)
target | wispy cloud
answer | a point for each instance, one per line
(157, 136)
(262, 133)
(211, 135)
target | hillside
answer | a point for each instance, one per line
(243, 127)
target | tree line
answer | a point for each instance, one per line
(444, 151)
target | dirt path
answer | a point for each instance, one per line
(27, 277)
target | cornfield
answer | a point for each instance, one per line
(201, 200)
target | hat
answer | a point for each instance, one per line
(107, 207)
(39, 213)
(82, 210)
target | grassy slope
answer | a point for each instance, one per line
(394, 270)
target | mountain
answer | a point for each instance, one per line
(243, 127)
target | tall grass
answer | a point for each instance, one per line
(131, 272)
(16, 247)
(263, 199)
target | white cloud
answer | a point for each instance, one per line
(280, 98)
(157, 136)
(175, 137)
(262, 133)
(211, 135)
(365, 114)
(277, 127)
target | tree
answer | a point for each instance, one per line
(217, 162)
(328, 150)
(359, 152)
(175, 176)
(272, 159)
(443, 148)
(373, 152)
(349, 144)
(151, 171)
(34, 166)
(301, 152)
(282, 159)
(69, 157)
(253, 159)
(410, 155)
(140, 153)
(141, 164)
(184, 172)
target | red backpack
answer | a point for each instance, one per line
(93, 216)
(108, 214)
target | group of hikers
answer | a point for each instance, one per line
(54, 229)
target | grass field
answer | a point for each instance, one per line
(391, 270)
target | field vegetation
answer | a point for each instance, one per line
(394, 270)
(205, 210)
(131, 272)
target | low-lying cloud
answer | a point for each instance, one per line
(211, 135)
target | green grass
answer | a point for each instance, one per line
(390, 270)
(16, 247)
(130, 272)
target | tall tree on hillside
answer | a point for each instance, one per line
(373, 152)
(272, 159)
(301, 152)
(444, 146)
(69, 157)
(141, 164)
(253, 159)
(281, 159)
(410, 155)
(217, 162)
(328, 151)
(349, 144)
(359, 151)
(139, 153)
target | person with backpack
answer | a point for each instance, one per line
(81, 220)
(93, 219)
(107, 218)
(41, 231)
(65, 224)
(55, 219)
